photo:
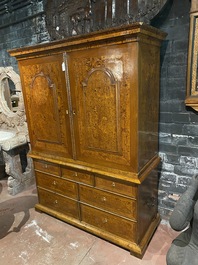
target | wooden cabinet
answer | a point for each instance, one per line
(92, 107)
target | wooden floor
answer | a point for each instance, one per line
(29, 237)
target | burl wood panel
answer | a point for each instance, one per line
(101, 85)
(44, 91)
(109, 202)
(57, 185)
(108, 222)
(58, 203)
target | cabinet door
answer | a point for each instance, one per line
(44, 89)
(100, 81)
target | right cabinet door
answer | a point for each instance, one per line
(104, 107)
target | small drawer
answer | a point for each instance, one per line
(115, 186)
(109, 222)
(61, 186)
(86, 178)
(80, 177)
(58, 203)
(109, 202)
(47, 167)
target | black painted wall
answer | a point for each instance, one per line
(23, 27)
(178, 125)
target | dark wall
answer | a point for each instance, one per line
(178, 125)
(21, 27)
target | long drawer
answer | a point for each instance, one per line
(58, 203)
(109, 222)
(58, 185)
(110, 202)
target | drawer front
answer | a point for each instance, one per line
(107, 201)
(62, 186)
(78, 176)
(47, 167)
(58, 203)
(108, 222)
(115, 186)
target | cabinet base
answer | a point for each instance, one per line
(136, 250)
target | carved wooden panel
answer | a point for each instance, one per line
(100, 91)
(68, 18)
(101, 98)
(44, 89)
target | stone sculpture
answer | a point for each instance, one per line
(18, 166)
(184, 248)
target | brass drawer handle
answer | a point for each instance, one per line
(55, 202)
(54, 183)
(46, 166)
(113, 184)
(103, 199)
(104, 220)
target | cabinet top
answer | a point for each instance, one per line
(138, 32)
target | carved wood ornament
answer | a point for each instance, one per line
(69, 18)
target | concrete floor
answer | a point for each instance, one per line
(33, 238)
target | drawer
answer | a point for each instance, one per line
(78, 176)
(115, 186)
(109, 202)
(58, 203)
(61, 186)
(47, 167)
(108, 222)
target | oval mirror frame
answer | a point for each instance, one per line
(9, 74)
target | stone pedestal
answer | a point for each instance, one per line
(14, 138)
(19, 168)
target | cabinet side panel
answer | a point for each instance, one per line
(148, 103)
(147, 203)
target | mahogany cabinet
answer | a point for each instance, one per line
(92, 105)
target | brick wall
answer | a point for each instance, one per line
(22, 27)
(178, 125)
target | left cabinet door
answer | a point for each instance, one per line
(44, 89)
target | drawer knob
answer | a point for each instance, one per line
(103, 199)
(113, 184)
(45, 165)
(104, 220)
(54, 182)
(55, 202)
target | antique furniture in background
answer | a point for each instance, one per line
(92, 105)
(14, 138)
(69, 18)
(192, 73)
